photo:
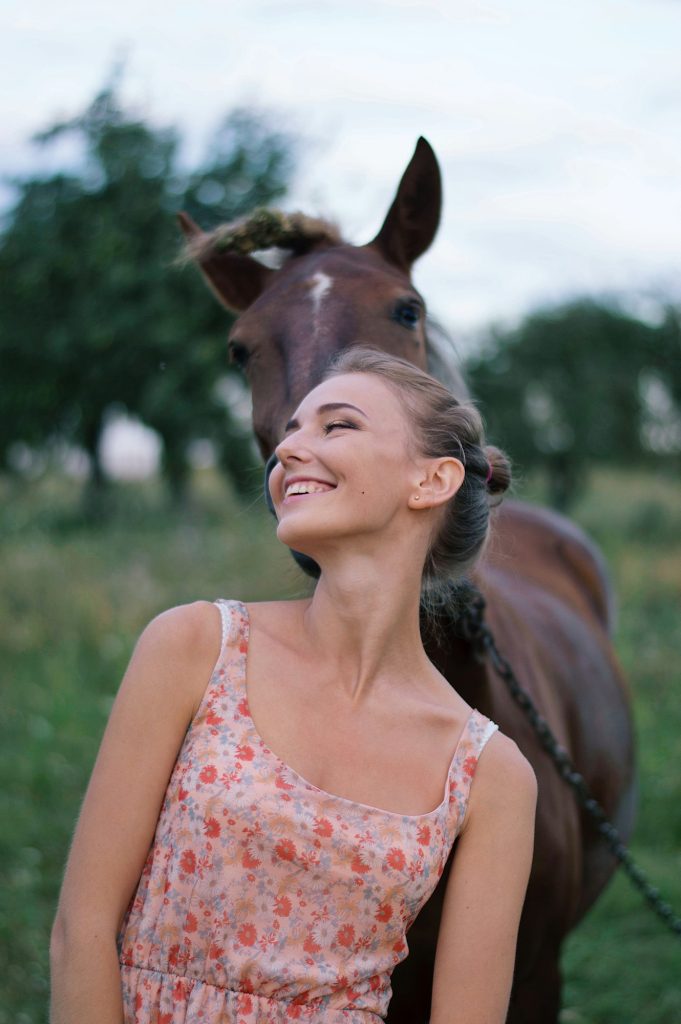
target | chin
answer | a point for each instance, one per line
(307, 540)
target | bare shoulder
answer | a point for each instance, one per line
(504, 784)
(185, 640)
(184, 625)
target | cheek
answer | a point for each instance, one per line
(379, 488)
(275, 482)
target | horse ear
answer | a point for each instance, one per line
(236, 281)
(413, 218)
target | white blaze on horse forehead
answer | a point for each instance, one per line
(320, 283)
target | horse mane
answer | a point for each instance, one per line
(264, 228)
(444, 359)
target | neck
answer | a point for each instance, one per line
(363, 620)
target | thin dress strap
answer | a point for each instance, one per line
(229, 613)
(223, 604)
(477, 732)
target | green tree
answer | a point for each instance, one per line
(94, 312)
(563, 389)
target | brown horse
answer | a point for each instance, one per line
(549, 602)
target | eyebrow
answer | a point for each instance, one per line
(327, 407)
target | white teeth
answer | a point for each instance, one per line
(303, 487)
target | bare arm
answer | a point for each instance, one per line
(159, 694)
(486, 890)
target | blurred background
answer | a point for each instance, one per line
(129, 481)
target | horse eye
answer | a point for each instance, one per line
(238, 354)
(408, 314)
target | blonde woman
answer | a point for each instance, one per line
(280, 783)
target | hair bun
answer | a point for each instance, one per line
(499, 472)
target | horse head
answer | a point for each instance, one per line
(325, 296)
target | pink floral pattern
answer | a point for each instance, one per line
(264, 898)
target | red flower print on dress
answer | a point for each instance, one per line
(208, 774)
(188, 862)
(267, 939)
(469, 765)
(242, 707)
(285, 849)
(310, 946)
(424, 835)
(323, 827)
(215, 951)
(244, 1003)
(211, 827)
(213, 719)
(358, 865)
(346, 935)
(249, 861)
(179, 992)
(245, 752)
(190, 924)
(227, 778)
(247, 934)
(282, 783)
(309, 858)
(396, 858)
(283, 906)
(384, 912)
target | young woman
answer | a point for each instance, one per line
(280, 783)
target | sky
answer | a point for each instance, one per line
(556, 125)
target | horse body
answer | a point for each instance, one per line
(549, 601)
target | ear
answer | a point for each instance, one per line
(413, 218)
(236, 281)
(440, 480)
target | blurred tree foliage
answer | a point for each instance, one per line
(94, 313)
(581, 383)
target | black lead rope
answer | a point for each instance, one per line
(464, 611)
(473, 628)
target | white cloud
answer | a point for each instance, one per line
(556, 125)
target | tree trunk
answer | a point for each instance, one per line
(566, 479)
(96, 503)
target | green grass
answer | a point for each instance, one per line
(73, 599)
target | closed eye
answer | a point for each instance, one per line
(338, 423)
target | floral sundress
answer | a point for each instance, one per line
(264, 898)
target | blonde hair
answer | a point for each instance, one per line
(442, 426)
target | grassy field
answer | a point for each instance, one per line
(73, 599)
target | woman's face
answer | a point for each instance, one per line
(346, 467)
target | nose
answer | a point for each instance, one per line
(291, 447)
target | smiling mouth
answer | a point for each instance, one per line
(306, 489)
